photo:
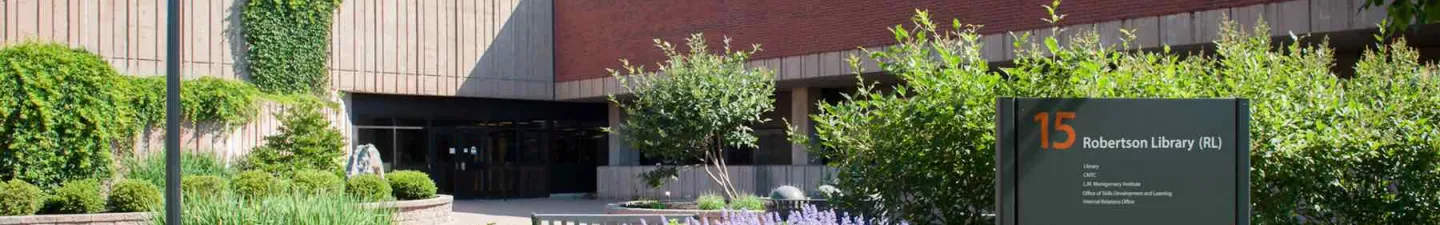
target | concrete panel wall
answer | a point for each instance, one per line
(232, 143)
(621, 182)
(491, 48)
(495, 49)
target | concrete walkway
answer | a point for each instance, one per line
(517, 211)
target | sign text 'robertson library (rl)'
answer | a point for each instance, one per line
(1122, 161)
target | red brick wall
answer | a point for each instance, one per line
(591, 35)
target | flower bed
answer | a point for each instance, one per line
(419, 212)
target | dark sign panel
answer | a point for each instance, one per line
(1122, 161)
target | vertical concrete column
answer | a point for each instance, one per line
(802, 103)
(620, 155)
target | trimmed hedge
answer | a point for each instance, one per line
(203, 186)
(18, 198)
(131, 195)
(368, 187)
(253, 184)
(411, 185)
(76, 197)
(317, 182)
(62, 109)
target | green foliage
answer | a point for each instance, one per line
(306, 141)
(1364, 150)
(151, 167)
(203, 186)
(703, 102)
(206, 99)
(1400, 14)
(18, 198)
(131, 195)
(710, 202)
(747, 202)
(368, 187)
(76, 197)
(61, 111)
(288, 42)
(333, 208)
(283, 185)
(317, 182)
(411, 185)
(253, 184)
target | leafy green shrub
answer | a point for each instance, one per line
(62, 109)
(368, 187)
(411, 185)
(1361, 150)
(315, 181)
(306, 141)
(18, 198)
(203, 186)
(710, 202)
(283, 185)
(703, 103)
(76, 197)
(253, 184)
(207, 99)
(747, 202)
(151, 167)
(332, 208)
(131, 195)
(288, 44)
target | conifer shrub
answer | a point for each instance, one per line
(131, 195)
(19, 198)
(253, 184)
(368, 187)
(203, 186)
(76, 197)
(315, 181)
(411, 185)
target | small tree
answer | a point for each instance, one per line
(305, 141)
(692, 108)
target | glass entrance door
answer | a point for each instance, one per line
(491, 161)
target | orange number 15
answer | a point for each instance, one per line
(1044, 119)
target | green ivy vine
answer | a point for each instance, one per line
(60, 108)
(206, 100)
(288, 41)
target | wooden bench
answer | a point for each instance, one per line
(604, 219)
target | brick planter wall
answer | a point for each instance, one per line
(133, 218)
(419, 212)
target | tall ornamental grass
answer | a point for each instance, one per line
(324, 209)
(151, 167)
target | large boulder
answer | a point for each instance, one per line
(364, 159)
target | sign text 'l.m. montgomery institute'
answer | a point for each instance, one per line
(1122, 161)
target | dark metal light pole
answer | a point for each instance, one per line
(172, 113)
